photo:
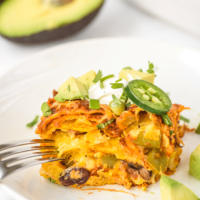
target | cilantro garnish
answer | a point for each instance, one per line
(151, 68)
(52, 180)
(127, 68)
(34, 122)
(98, 76)
(140, 70)
(46, 109)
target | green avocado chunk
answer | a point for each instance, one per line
(87, 78)
(194, 167)
(158, 160)
(45, 16)
(70, 90)
(174, 190)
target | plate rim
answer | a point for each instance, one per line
(94, 40)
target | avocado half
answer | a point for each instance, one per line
(38, 21)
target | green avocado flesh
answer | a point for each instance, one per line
(70, 90)
(87, 78)
(173, 190)
(194, 168)
(20, 18)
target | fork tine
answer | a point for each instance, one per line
(18, 167)
(10, 153)
(36, 154)
(23, 142)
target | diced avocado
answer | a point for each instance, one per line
(157, 159)
(194, 167)
(45, 20)
(174, 190)
(150, 137)
(124, 74)
(87, 78)
(70, 90)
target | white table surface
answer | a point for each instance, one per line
(116, 19)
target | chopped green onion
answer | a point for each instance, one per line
(94, 104)
(140, 70)
(107, 77)
(166, 120)
(46, 109)
(151, 68)
(101, 84)
(118, 80)
(116, 85)
(52, 180)
(184, 119)
(124, 96)
(103, 125)
(58, 151)
(171, 132)
(128, 104)
(98, 76)
(34, 122)
(68, 87)
(198, 129)
(127, 68)
(116, 100)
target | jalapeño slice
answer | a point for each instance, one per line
(148, 97)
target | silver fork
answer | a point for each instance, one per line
(8, 166)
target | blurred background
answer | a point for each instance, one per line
(170, 21)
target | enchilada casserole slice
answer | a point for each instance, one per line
(119, 142)
(133, 150)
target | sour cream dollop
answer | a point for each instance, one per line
(105, 95)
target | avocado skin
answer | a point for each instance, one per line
(55, 34)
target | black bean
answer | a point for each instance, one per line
(145, 174)
(74, 175)
(134, 165)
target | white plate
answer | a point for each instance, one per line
(24, 88)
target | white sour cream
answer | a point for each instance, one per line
(105, 95)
